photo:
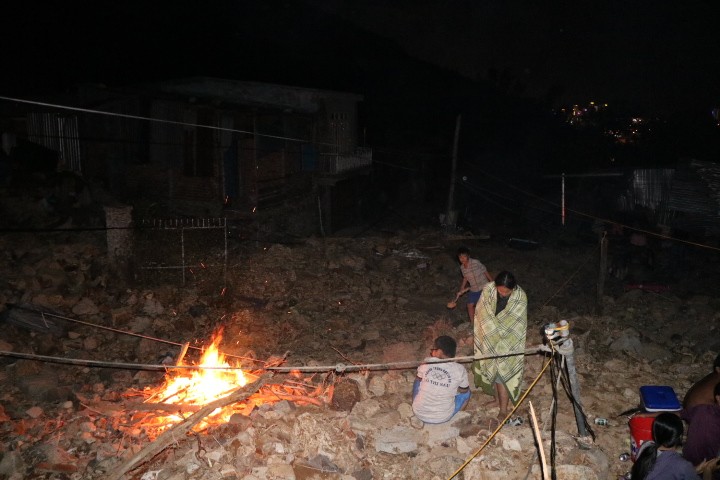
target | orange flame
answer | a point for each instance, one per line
(204, 385)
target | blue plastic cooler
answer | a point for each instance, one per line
(659, 398)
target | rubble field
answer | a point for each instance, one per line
(322, 308)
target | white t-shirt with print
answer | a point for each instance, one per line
(439, 383)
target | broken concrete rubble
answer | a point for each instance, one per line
(326, 301)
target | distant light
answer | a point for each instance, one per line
(592, 103)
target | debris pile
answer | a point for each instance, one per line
(319, 304)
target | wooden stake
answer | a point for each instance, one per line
(601, 272)
(538, 439)
(177, 431)
(183, 351)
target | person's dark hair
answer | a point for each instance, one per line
(505, 279)
(462, 251)
(716, 363)
(447, 345)
(667, 431)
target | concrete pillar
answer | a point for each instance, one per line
(118, 220)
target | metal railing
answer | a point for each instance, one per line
(184, 245)
(332, 163)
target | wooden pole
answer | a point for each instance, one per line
(567, 350)
(450, 215)
(563, 199)
(538, 438)
(183, 351)
(602, 271)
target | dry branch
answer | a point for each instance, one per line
(164, 407)
(171, 435)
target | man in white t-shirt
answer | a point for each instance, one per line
(441, 389)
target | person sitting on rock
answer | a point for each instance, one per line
(658, 459)
(441, 389)
(703, 435)
(701, 393)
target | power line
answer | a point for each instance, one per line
(590, 216)
(158, 120)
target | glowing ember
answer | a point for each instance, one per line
(202, 386)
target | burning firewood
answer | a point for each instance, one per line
(171, 435)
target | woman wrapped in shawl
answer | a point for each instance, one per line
(501, 328)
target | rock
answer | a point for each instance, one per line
(313, 435)
(88, 427)
(320, 463)
(11, 463)
(386, 417)
(34, 412)
(228, 471)
(90, 343)
(366, 408)
(152, 306)
(570, 472)
(442, 433)
(40, 387)
(242, 421)
(628, 341)
(416, 423)
(345, 396)
(398, 439)
(280, 471)
(362, 474)
(139, 324)
(284, 406)
(405, 410)
(444, 465)
(377, 386)
(85, 307)
(509, 443)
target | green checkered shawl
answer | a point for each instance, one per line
(497, 335)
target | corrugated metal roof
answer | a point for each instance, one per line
(696, 194)
(297, 99)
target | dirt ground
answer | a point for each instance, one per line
(374, 297)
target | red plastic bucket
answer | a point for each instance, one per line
(640, 431)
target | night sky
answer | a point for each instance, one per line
(503, 65)
(643, 52)
(657, 54)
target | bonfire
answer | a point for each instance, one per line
(214, 377)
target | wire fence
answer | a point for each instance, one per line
(190, 251)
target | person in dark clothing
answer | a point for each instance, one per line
(658, 459)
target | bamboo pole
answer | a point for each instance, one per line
(538, 438)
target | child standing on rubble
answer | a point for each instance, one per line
(475, 276)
